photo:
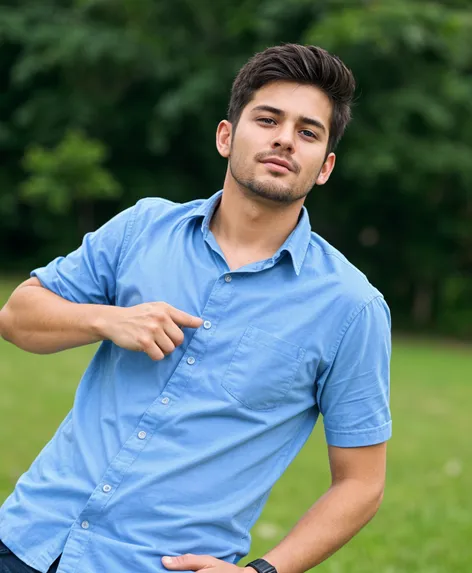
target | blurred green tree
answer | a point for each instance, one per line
(70, 175)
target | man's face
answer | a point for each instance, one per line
(278, 149)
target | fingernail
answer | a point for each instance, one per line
(167, 560)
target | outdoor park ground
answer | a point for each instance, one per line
(425, 522)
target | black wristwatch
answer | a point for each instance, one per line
(262, 566)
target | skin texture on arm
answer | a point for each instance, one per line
(356, 492)
(37, 320)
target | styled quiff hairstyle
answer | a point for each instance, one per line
(301, 64)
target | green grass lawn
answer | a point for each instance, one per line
(425, 523)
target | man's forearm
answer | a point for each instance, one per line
(330, 523)
(37, 320)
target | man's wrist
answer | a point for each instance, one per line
(100, 317)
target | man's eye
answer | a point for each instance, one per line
(309, 133)
(267, 120)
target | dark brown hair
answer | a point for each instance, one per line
(302, 64)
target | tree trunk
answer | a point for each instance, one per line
(422, 309)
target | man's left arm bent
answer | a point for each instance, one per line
(358, 478)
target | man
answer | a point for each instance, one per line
(226, 328)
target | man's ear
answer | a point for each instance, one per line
(223, 138)
(326, 170)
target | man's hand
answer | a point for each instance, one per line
(190, 562)
(152, 327)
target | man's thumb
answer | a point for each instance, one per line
(187, 562)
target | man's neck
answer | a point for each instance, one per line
(250, 229)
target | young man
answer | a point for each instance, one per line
(227, 327)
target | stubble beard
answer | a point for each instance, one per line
(271, 190)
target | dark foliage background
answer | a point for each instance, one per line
(106, 101)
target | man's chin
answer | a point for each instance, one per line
(271, 192)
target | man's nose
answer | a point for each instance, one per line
(284, 140)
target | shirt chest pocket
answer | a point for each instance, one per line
(262, 369)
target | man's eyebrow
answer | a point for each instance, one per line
(268, 108)
(281, 113)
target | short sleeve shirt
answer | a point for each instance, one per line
(179, 455)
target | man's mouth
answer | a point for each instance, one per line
(277, 164)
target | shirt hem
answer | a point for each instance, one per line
(42, 564)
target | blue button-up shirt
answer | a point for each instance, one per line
(179, 455)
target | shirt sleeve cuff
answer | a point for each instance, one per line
(354, 439)
(43, 276)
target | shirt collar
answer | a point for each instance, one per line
(296, 243)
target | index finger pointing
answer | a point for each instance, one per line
(184, 319)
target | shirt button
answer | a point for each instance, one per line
(207, 324)
(107, 488)
(142, 435)
(190, 360)
(165, 400)
(228, 278)
(85, 524)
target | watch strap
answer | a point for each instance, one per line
(262, 566)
